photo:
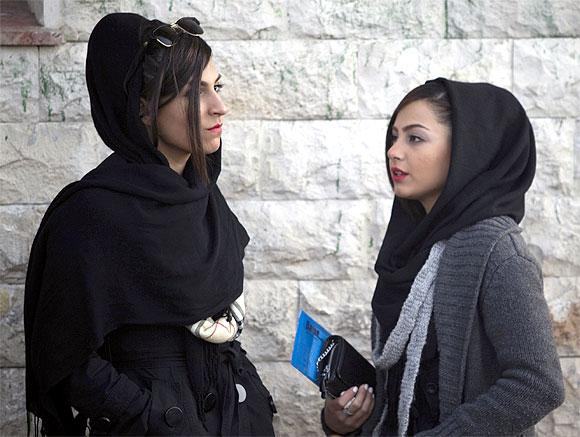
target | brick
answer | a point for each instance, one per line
(515, 19)
(63, 89)
(305, 239)
(19, 89)
(546, 76)
(40, 159)
(387, 70)
(367, 19)
(11, 325)
(288, 79)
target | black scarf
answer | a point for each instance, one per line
(132, 242)
(493, 160)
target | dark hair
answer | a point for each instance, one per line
(436, 95)
(166, 71)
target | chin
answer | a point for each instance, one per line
(212, 147)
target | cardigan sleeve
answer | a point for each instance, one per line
(517, 322)
(113, 403)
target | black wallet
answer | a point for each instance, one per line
(340, 367)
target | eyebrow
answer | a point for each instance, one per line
(411, 126)
(203, 83)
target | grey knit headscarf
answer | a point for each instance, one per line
(410, 332)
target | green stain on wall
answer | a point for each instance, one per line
(25, 93)
(49, 89)
(338, 167)
(337, 248)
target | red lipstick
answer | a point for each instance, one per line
(398, 175)
(217, 129)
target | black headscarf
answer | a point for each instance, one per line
(132, 242)
(493, 161)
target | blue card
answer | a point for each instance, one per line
(310, 336)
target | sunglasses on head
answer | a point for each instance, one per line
(167, 34)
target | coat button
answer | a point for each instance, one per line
(102, 424)
(431, 388)
(209, 402)
(173, 416)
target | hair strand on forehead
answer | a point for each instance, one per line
(166, 72)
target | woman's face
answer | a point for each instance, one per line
(420, 155)
(172, 117)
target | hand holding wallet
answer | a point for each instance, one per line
(340, 367)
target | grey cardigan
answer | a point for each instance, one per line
(499, 372)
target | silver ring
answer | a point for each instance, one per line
(346, 410)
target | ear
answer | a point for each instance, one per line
(144, 113)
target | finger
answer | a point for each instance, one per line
(346, 397)
(367, 407)
(357, 402)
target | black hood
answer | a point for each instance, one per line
(493, 161)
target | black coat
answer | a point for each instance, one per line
(147, 390)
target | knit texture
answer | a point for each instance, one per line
(410, 333)
(499, 372)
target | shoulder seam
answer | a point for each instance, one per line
(502, 264)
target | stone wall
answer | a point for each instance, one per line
(311, 85)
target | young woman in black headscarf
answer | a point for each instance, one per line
(134, 291)
(461, 337)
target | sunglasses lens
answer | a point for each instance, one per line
(165, 36)
(190, 25)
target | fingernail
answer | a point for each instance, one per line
(341, 394)
(366, 386)
(355, 389)
(370, 389)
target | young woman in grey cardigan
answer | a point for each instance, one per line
(461, 337)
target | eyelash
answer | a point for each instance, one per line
(412, 138)
(217, 88)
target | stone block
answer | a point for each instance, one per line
(305, 239)
(297, 400)
(367, 19)
(565, 420)
(563, 296)
(13, 404)
(38, 160)
(18, 226)
(342, 307)
(552, 230)
(63, 89)
(19, 89)
(11, 325)
(555, 156)
(223, 20)
(387, 70)
(345, 159)
(288, 79)
(272, 311)
(81, 16)
(242, 159)
(516, 19)
(546, 76)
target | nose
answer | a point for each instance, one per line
(395, 152)
(217, 106)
